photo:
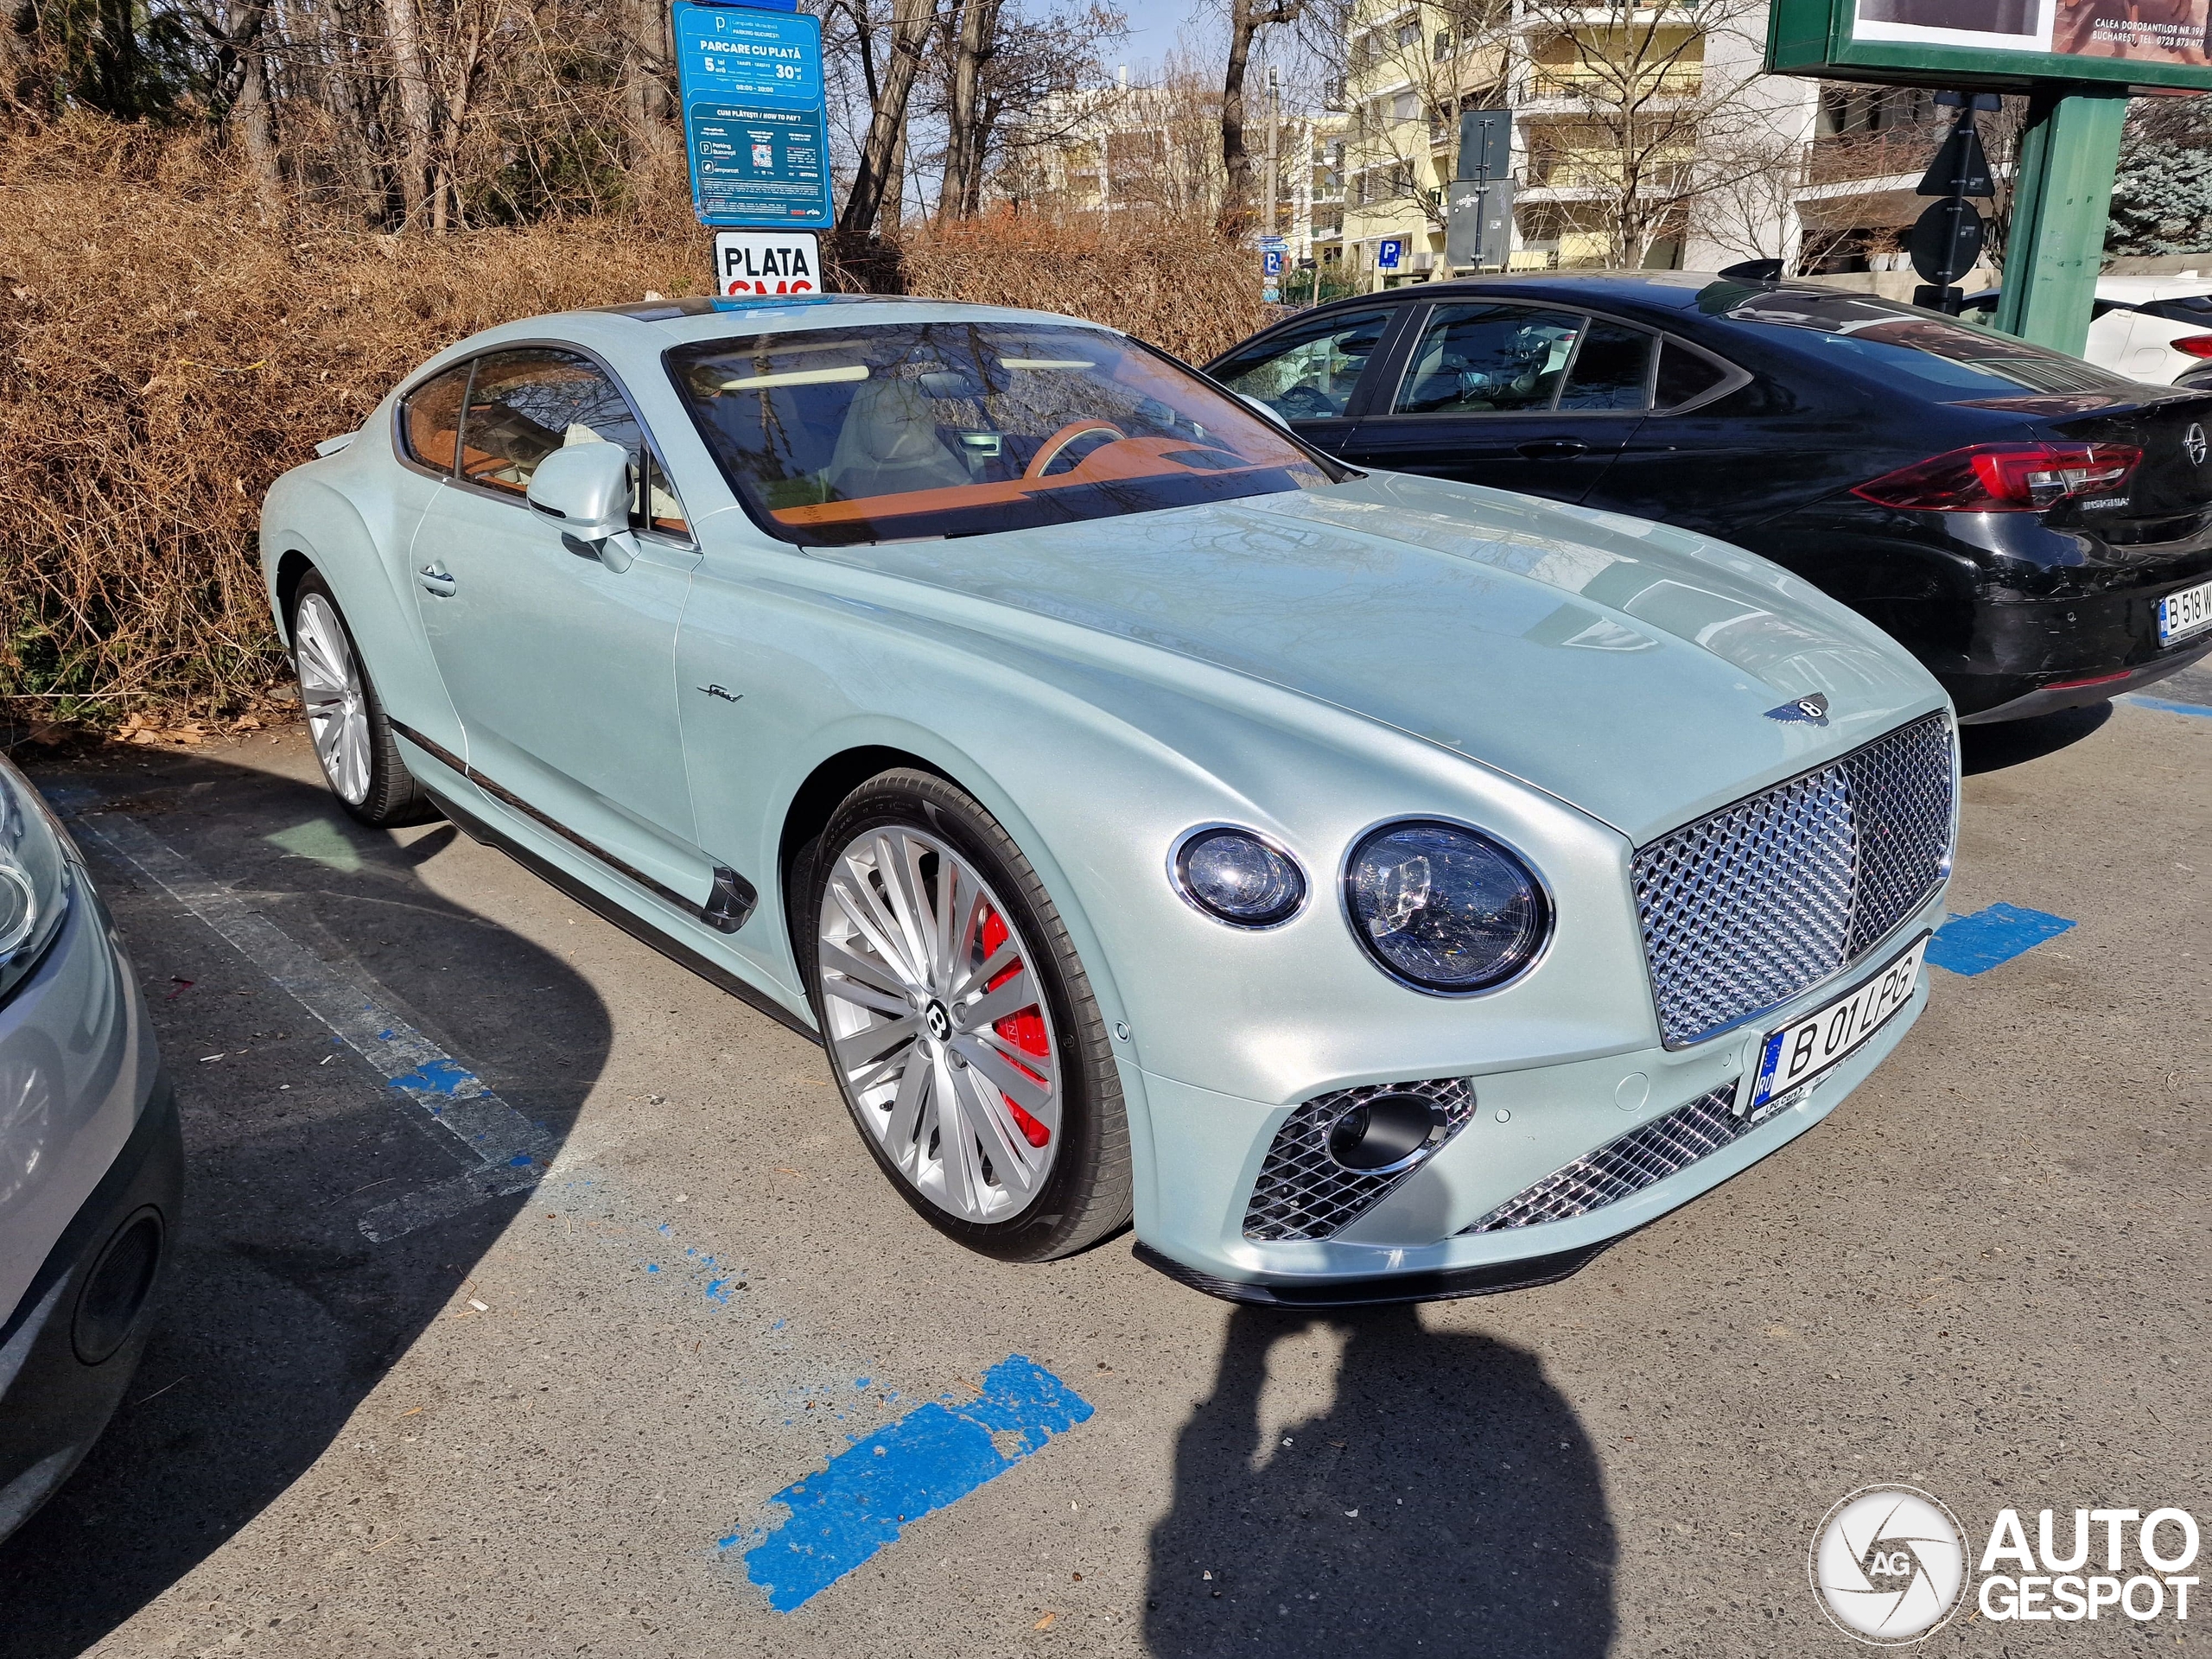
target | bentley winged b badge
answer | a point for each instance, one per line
(1814, 709)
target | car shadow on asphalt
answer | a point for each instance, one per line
(279, 1315)
(2014, 742)
(1449, 1501)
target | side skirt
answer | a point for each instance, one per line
(635, 925)
(727, 907)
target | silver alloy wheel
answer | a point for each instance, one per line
(330, 689)
(938, 1026)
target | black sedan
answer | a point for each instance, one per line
(2035, 530)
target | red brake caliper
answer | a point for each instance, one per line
(1025, 1030)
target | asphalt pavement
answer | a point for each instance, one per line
(637, 1407)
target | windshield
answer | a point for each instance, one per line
(959, 428)
(1947, 361)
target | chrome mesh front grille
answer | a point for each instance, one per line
(1661, 1147)
(1303, 1193)
(1751, 905)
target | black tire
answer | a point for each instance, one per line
(1086, 1196)
(394, 798)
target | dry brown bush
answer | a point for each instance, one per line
(165, 353)
(1182, 286)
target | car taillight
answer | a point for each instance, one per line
(2005, 477)
(2195, 345)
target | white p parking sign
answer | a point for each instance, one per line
(767, 262)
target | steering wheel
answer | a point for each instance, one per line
(1306, 403)
(1041, 464)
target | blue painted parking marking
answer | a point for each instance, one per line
(1988, 939)
(2165, 705)
(507, 1152)
(935, 1455)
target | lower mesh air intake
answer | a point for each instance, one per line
(1666, 1145)
(1304, 1192)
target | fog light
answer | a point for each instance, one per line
(116, 1290)
(1387, 1132)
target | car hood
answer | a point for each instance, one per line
(1639, 672)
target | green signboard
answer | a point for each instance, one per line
(1996, 45)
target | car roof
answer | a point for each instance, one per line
(1667, 291)
(653, 326)
(706, 317)
(2175, 285)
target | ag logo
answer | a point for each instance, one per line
(1887, 1563)
(2194, 443)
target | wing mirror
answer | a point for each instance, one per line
(584, 489)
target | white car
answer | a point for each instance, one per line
(2156, 329)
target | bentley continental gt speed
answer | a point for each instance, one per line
(1376, 887)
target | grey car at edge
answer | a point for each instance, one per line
(91, 1158)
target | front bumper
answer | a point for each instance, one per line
(1208, 1149)
(72, 1344)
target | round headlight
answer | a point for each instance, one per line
(1234, 876)
(1443, 908)
(34, 879)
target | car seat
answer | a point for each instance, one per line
(889, 444)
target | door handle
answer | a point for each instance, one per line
(436, 579)
(1553, 449)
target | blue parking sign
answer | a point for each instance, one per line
(1271, 262)
(750, 79)
(1387, 253)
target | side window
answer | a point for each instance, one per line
(655, 507)
(1612, 370)
(1307, 374)
(1683, 375)
(525, 404)
(1488, 359)
(430, 421)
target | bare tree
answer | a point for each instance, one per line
(1660, 107)
(1246, 19)
(912, 22)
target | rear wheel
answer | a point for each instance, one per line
(961, 1025)
(353, 740)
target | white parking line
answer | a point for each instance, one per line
(510, 1153)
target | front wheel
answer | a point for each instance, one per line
(961, 1025)
(353, 740)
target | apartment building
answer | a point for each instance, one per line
(1641, 134)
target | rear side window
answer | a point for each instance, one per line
(1912, 352)
(1307, 373)
(1488, 359)
(1683, 375)
(1612, 370)
(430, 421)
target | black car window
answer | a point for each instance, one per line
(1487, 358)
(1307, 373)
(430, 421)
(1683, 375)
(1612, 369)
(1912, 352)
(526, 404)
(2194, 309)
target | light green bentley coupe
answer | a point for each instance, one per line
(1375, 888)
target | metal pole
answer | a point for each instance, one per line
(1274, 129)
(2061, 201)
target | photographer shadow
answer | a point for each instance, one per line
(1448, 1501)
(278, 1312)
